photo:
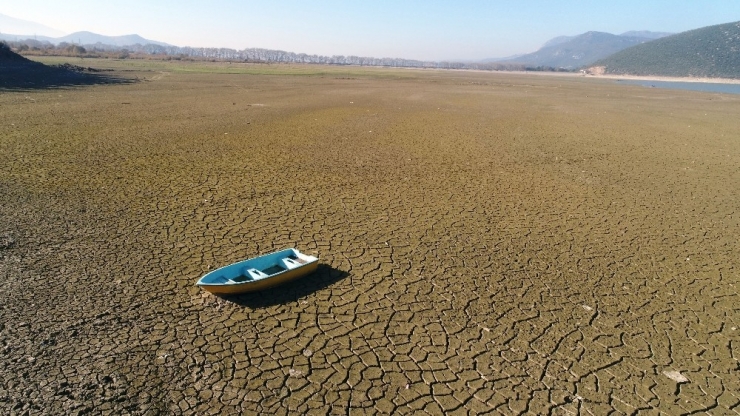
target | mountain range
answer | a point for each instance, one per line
(87, 38)
(571, 52)
(567, 52)
(12, 29)
(646, 34)
(712, 51)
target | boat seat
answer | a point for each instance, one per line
(254, 273)
(290, 263)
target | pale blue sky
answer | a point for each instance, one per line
(414, 29)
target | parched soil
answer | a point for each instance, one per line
(489, 243)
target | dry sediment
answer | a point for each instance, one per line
(489, 242)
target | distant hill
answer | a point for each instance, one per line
(10, 37)
(506, 58)
(712, 51)
(89, 38)
(12, 29)
(571, 52)
(12, 25)
(86, 39)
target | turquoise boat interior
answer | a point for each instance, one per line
(257, 268)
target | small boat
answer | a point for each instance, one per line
(259, 273)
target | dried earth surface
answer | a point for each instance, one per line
(489, 243)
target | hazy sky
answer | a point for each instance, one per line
(414, 29)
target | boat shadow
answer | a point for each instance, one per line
(323, 277)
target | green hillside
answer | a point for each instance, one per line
(712, 51)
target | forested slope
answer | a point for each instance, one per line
(712, 51)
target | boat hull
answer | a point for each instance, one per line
(259, 273)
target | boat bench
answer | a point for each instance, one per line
(254, 273)
(291, 263)
(248, 275)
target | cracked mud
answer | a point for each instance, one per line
(489, 243)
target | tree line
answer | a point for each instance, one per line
(255, 55)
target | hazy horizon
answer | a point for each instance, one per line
(436, 31)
